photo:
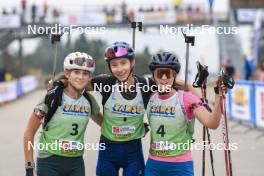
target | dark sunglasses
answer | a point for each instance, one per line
(161, 72)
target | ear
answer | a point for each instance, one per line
(67, 73)
(133, 62)
(175, 74)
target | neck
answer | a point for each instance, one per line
(130, 80)
(73, 92)
(169, 94)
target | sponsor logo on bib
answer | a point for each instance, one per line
(70, 147)
(126, 109)
(166, 111)
(163, 145)
(76, 109)
(123, 129)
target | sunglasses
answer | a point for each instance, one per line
(163, 73)
(115, 52)
(81, 61)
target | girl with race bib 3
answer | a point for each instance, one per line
(61, 142)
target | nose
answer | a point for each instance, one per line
(164, 76)
(81, 75)
(118, 69)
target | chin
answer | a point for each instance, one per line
(121, 78)
(79, 87)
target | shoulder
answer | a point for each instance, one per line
(189, 97)
(103, 79)
(146, 79)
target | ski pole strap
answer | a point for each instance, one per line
(55, 38)
(201, 75)
(227, 80)
(216, 90)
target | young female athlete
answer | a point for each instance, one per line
(124, 99)
(171, 118)
(61, 143)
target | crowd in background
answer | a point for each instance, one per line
(38, 13)
(250, 71)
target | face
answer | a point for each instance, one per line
(78, 78)
(164, 77)
(121, 68)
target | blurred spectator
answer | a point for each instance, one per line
(131, 15)
(105, 10)
(14, 12)
(229, 68)
(55, 14)
(113, 12)
(23, 5)
(198, 15)
(124, 12)
(176, 4)
(33, 13)
(4, 12)
(110, 14)
(2, 74)
(260, 71)
(189, 11)
(248, 67)
(159, 9)
(45, 9)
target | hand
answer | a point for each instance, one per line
(220, 85)
(30, 172)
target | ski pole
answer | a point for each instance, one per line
(134, 25)
(54, 39)
(188, 40)
(229, 83)
(206, 131)
(200, 81)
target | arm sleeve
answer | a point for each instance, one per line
(191, 103)
(41, 109)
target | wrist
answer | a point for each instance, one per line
(30, 165)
